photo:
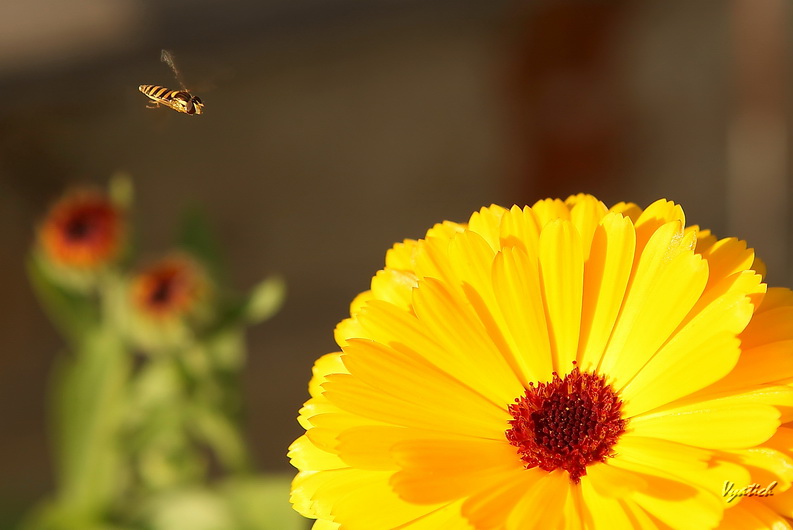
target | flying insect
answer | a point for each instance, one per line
(179, 100)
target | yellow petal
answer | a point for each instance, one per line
(457, 330)
(668, 281)
(575, 512)
(769, 326)
(401, 256)
(326, 365)
(658, 214)
(394, 286)
(752, 514)
(315, 407)
(781, 503)
(324, 524)
(432, 260)
(779, 396)
(520, 228)
(605, 280)
(473, 261)
(699, 513)
(586, 213)
(607, 511)
(628, 209)
(776, 297)
(486, 222)
(766, 465)
(724, 424)
(363, 500)
(766, 364)
(692, 502)
(548, 210)
(562, 273)
(441, 345)
(303, 452)
(444, 230)
(443, 469)
(370, 447)
(703, 351)
(422, 489)
(517, 286)
(542, 504)
(726, 257)
(446, 516)
(705, 238)
(349, 328)
(436, 402)
(613, 482)
(418, 384)
(490, 507)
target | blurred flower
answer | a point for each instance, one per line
(146, 400)
(171, 288)
(166, 300)
(560, 366)
(83, 230)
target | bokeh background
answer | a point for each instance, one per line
(335, 128)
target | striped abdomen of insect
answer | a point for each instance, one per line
(178, 100)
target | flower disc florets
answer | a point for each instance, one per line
(567, 423)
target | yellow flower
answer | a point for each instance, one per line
(562, 366)
(83, 232)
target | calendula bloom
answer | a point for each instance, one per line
(566, 366)
(165, 300)
(170, 288)
(83, 231)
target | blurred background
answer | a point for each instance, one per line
(333, 129)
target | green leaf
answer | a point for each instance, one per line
(197, 238)
(49, 515)
(226, 349)
(262, 503)
(265, 299)
(189, 509)
(121, 190)
(170, 460)
(72, 312)
(223, 436)
(156, 389)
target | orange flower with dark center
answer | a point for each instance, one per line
(169, 288)
(82, 230)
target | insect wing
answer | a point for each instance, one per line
(167, 58)
(178, 100)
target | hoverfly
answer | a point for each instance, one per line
(178, 100)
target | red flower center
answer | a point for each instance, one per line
(566, 423)
(168, 288)
(85, 225)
